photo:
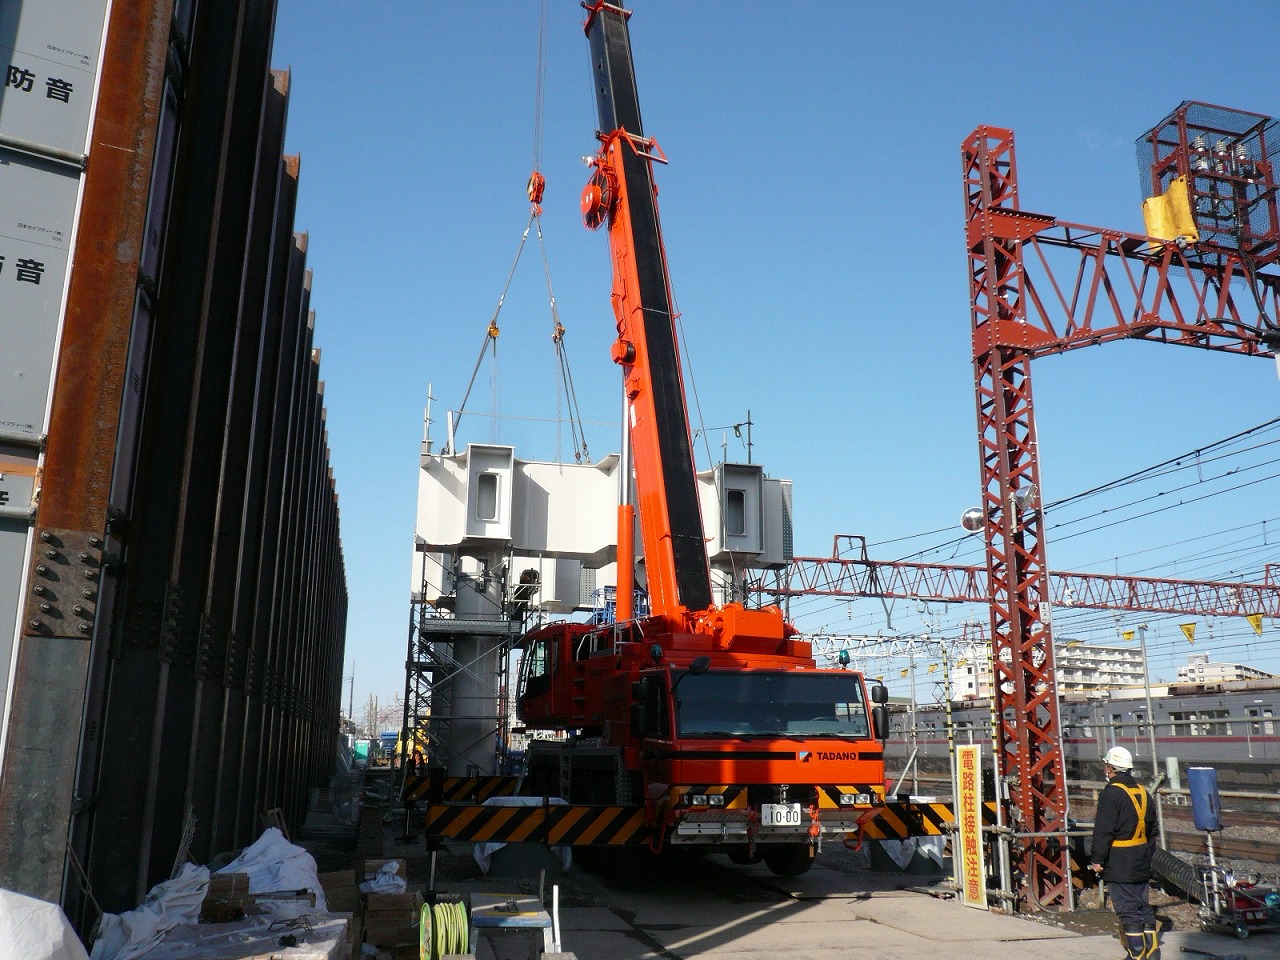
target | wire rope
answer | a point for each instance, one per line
(577, 429)
(491, 332)
(1158, 469)
(1236, 471)
(565, 390)
(1172, 461)
(539, 86)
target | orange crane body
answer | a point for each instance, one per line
(714, 718)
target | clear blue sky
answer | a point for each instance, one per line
(813, 218)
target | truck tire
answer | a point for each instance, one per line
(790, 860)
(740, 856)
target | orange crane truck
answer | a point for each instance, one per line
(711, 724)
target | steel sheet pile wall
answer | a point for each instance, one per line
(181, 601)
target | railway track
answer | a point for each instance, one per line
(1226, 848)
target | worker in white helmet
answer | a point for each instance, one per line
(1123, 841)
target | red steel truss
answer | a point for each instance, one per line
(1114, 285)
(956, 583)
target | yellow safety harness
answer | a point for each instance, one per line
(1139, 798)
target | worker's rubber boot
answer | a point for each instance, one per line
(1151, 942)
(1135, 946)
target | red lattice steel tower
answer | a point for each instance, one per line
(1114, 285)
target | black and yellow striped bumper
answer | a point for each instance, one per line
(552, 824)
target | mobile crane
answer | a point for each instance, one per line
(713, 719)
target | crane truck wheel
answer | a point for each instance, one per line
(790, 860)
(742, 858)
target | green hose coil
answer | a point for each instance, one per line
(443, 930)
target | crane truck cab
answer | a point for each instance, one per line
(755, 752)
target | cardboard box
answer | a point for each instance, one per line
(369, 869)
(392, 904)
(390, 934)
(227, 885)
(341, 895)
(392, 918)
(226, 899)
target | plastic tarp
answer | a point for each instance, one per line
(35, 930)
(902, 852)
(386, 880)
(483, 851)
(1168, 216)
(321, 938)
(128, 935)
(275, 865)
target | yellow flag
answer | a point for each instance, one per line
(1255, 621)
(1126, 635)
(933, 667)
(1189, 631)
(905, 671)
(961, 663)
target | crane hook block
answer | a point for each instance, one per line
(537, 183)
(597, 199)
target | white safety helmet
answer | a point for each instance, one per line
(1118, 758)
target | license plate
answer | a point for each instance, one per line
(780, 814)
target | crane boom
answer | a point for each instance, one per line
(622, 192)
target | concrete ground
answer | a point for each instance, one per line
(709, 908)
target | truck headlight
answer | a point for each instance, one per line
(716, 800)
(854, 799)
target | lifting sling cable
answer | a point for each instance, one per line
(535, 187)
(576, 429)
(537, 183)
(491, 333)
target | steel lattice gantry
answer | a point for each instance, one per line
(957, 583)
(1115, 286)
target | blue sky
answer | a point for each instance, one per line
(813, 218)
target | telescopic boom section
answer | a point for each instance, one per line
(621, 192)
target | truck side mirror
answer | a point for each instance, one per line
(880, 720)
(879, 693)
(644, 707)
(639, 720)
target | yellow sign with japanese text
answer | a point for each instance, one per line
(973, 870)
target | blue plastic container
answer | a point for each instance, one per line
(1206, 807)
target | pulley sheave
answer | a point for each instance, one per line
(597, 200)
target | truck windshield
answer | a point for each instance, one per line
(767, 703)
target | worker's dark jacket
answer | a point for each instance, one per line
(1123, 842)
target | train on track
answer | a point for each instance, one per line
(1233, 726)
